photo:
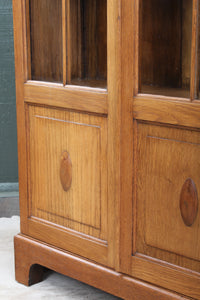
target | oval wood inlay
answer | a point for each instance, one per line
(189, 202)
(66, 171)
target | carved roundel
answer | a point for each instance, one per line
(189, 202)
(66, 171)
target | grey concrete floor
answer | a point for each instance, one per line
(9, 206)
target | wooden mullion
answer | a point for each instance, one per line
(68, 35)
(138, 47)
(79, 38)
(64, 42)
(26, 39)
(194, 53)
(198, 55)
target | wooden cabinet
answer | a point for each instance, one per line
(109, 143)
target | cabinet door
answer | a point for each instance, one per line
(65, 94)
(160, 235)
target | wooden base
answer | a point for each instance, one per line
(31, 258)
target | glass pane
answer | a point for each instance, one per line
(88, 29)
(46, 40)
(165, 47)
(197, 81)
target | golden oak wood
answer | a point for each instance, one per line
(52, 132)
(70, 240)
(109, 177)
(148, 259)
(66, 171)
(88, 272)
(189, 202)
(21, 130)
(180, 281)
(168, 154)
(170, 111)
(71, 97)
(114, 123)
(126, 139)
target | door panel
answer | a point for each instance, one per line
(84, 137)
(167, 157)
(160, 220)
(58, 117)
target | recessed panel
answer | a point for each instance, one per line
(68, 169)
(168, 190)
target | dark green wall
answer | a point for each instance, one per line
(8, 135)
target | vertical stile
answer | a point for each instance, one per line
(137, 46)
(64, 41)
(68, 44)
(18, 22)
(114, 113)
(129, 72)
(194, 52)
(137, 82)
(79, 41)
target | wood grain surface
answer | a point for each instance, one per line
(130, 153)
(83, 206)
(66, 171)
(80, 99)
(85, 271)
(168, 153)
(189, 202)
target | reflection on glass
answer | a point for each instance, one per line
(88, 30)
(165, 47)
(46, 40)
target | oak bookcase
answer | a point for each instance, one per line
(108, 115)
